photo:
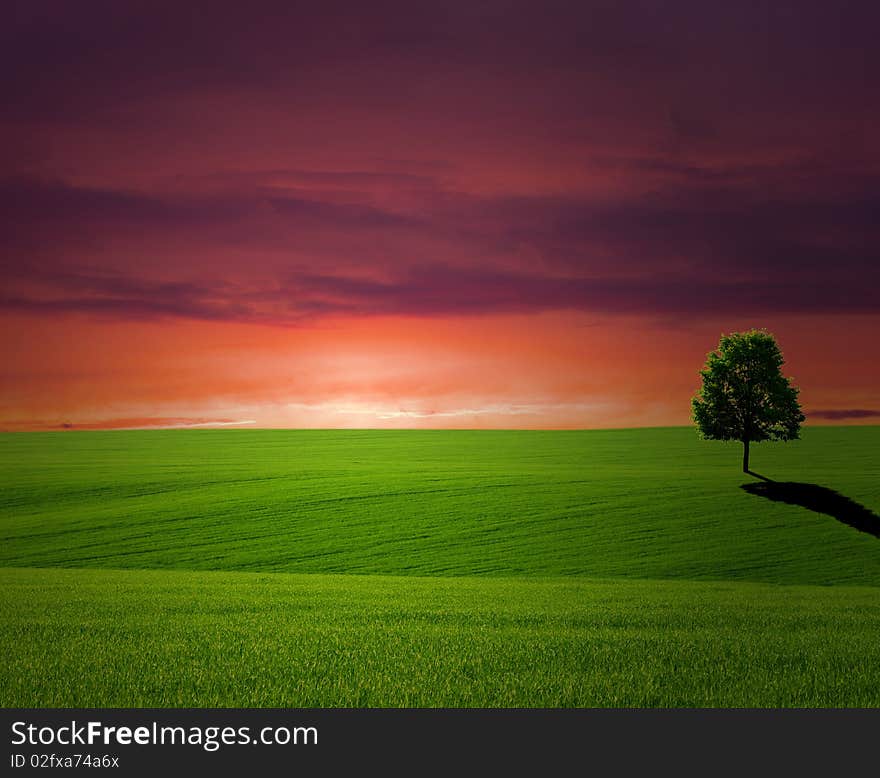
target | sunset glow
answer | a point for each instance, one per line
(406, 215)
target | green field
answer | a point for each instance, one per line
(433, 568)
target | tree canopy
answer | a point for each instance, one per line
(744, 395)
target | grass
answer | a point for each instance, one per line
(101, 638)
(637, 504)
(482, 569)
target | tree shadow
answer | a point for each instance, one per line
(758, 475)
(820, 499)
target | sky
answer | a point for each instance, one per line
(445, 215)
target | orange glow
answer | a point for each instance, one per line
(539, 371)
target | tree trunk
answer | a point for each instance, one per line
(746, 455)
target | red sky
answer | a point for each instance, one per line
(482, 214)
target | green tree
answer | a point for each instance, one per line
(744, 395)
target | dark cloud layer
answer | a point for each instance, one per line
(722, 159)
(440, 291)
(75, 56)
(846, 414)
(685, 254)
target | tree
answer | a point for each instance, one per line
(744, 395)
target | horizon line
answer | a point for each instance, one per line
(246, 426)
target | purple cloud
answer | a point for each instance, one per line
(734, 142)
(848, 413)
(436, 291)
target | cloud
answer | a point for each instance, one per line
(74, 59)
(126, 423)
(180, 252)
(846, 413)
(33, 204)
(414, 410)
(273, 164)
(494, 410)
(439, 290)
(683, 250)
(150, 422)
